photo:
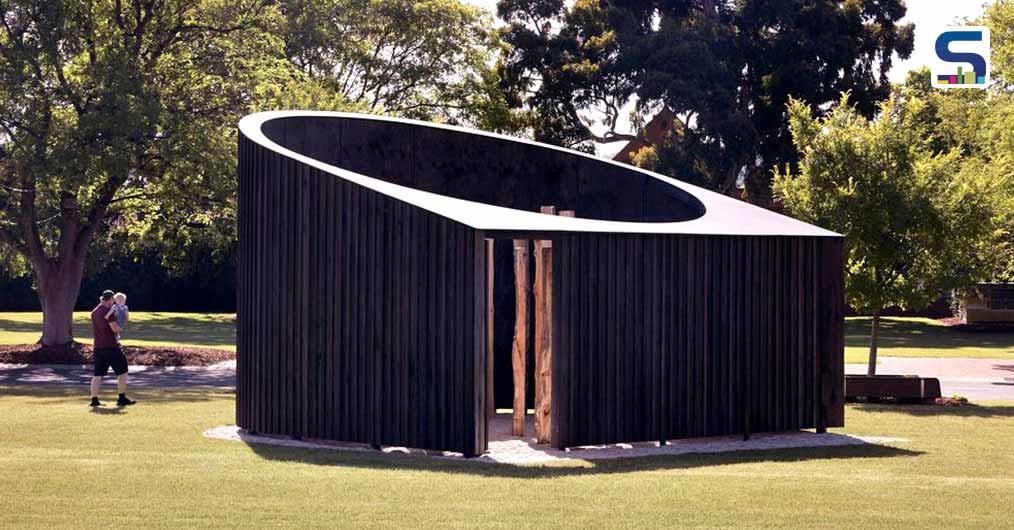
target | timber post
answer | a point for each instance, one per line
(520, 334)
(543, 333)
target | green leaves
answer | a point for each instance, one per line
(1000, 19)
(426, 59)
(727, 69)
(118, 118)
(123, 112)
(917, 222)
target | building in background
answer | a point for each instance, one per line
(653, 134)
(988, 303)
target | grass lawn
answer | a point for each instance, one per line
(924, 337)
(149, 466)
(207, 330)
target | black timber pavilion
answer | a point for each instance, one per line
(364, 297)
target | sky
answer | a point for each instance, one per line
(929, 17)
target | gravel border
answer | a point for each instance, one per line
(520, 452)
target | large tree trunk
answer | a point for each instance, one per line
(59, 282)
(871, 368)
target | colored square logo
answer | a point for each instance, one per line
(961, 58)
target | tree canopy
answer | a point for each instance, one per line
(118, 117)
(431, 59)
(917, 221)
(113, 108)
(726, 68)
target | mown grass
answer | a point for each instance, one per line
(149, 466)
(208, 330)
(924, 337)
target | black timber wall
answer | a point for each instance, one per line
(360, 318)
(671, 336)
(488, 170)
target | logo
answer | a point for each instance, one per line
(962, 58)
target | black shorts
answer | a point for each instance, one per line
(110, 357)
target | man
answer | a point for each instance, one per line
(107, 351)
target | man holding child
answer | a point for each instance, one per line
(108, 319)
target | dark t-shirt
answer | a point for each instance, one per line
(103, 334)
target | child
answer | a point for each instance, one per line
(119, 308)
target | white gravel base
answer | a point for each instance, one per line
(517, 451)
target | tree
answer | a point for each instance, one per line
(916, 222)
(726, 68)
(978, 124)
(430, 59)
(997, 133)
(1000, 19)
(113, 110)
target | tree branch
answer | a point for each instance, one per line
(68, 223)
(97, 213)
(606, 138)
(181, 29)
(28, 218)
(52, 49)
(132, 196)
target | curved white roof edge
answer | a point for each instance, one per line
(723, 215)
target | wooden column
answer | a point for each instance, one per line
(520, 334)
(543, 333)
(490, 400)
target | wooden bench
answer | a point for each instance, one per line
(899, 387)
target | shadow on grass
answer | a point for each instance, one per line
(964, 411)
(384, 461)
(183, 330)
(393, 462)
(108, 411)
(914, 334)
(59, 394)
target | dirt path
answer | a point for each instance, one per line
(221, 375)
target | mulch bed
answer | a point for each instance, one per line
(78, 353)
(953, 401)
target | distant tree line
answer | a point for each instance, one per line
(210, 287)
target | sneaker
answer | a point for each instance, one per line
(124, 401)
(95, 403)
